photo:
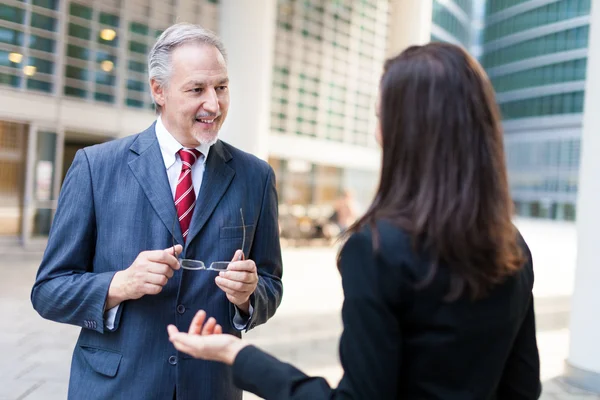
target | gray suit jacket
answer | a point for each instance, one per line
(115, 203)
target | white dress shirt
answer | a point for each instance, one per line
(169, 146)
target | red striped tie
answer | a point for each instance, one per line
(185, 198)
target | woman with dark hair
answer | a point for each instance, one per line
(437, 280)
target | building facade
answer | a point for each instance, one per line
(452, 22)
(304, 77)
(535, 52)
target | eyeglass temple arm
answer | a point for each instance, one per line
(243, 233)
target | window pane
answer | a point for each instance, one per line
(42, 86)
(108, 98)
(11, 36)
(80, 11)
(43, 22)
(79, 31)
(137, 47)
(109, 19)
(76, 73)
(137, 66)
(71, 91)
(77, 52)
(10, 80)
(12, 14)
(138, 28)
(105, 79)
(40, 43)
(43, 66)
(136, 85)
(51, 4)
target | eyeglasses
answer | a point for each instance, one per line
(197, 265)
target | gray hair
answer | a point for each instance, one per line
(159, 58)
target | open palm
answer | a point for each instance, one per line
(206, 340)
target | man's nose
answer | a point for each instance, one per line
(211, 102)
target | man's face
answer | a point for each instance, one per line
(195, 99)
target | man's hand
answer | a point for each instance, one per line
(150, 271)
(239, 281)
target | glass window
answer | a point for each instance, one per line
(10, 80)
(107, 98)
(79, 31)
(134, 103)
(77, 52)
(104, 78)
(43, 22)
(76, 73)
(12, 14)
(80, 11)
(140, 29)
(50, 4)
(136, 85)
(41, 43)
(138, 47)
(109, 19)
(11, 36)
(76, 92)
(42, 86)
(41, 65)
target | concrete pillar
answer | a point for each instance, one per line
(583, 364)
(247, 28)
(410, 24)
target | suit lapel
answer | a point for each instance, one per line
(148, 167)
(217, 178)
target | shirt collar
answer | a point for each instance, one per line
(169, 146)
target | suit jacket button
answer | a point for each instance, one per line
(172, 360)
(181, 309)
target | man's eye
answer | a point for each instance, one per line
(221, 88)
(196, 90)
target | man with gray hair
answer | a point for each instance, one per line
(152, 227)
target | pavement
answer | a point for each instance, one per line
(36, 353)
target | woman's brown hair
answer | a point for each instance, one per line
(443, 176)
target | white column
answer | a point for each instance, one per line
(247, 28)
(583, 364)
(29, 200)
(410, 24)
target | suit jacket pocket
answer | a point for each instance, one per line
(104, 362)
(232, 238)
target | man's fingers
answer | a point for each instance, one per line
(238, 287)
(239, 276)
(165, 256)
(197, 322)
(149, 288)
(238, 256)
(175, 251)
(247, 265)
(158, 268)
(218, 330)
(156, 279)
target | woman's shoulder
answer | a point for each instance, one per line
(384, 236)
(384, 243)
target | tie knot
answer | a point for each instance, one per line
(188, 157)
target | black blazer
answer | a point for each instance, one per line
(403, 343)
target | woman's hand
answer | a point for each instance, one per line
(206, 340)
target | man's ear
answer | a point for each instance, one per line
(158, 92)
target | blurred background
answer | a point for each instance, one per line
(304, 77)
